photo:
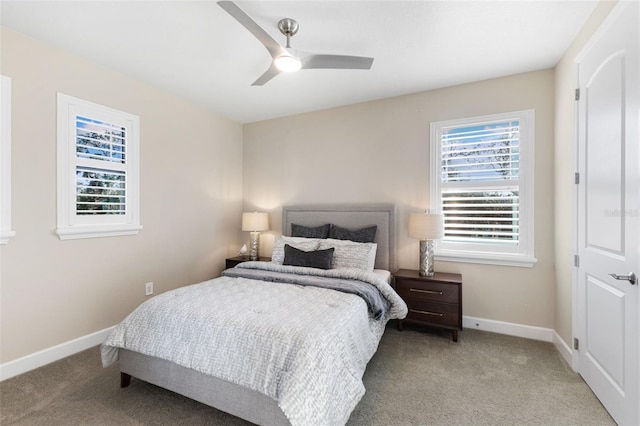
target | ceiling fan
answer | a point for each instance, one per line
(286, 59)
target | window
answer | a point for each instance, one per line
(98, 160)
(5, 160)
(482, 182)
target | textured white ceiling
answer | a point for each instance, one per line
(196, 50)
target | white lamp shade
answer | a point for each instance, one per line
(426, 226)
(255, 221)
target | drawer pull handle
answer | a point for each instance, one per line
(425, 291)
(426, 312)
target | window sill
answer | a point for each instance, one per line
(500, 259)
(78, 232)
(5, 236)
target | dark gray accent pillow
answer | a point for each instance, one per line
(362, 235)
(310, 232)
(321, 259)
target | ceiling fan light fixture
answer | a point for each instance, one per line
(286, 63)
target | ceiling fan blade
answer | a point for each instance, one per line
(336, 62)
(268, 75)
(245, 20)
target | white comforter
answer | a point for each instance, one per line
(305, 347)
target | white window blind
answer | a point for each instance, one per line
(480, 169)
(97, 170)
(482, 183)
(100, 191)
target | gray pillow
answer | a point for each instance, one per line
(362, 235)
(350, 254)
(320, 259)
(310, 232)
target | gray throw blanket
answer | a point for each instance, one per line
(377, 304)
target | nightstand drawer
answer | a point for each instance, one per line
(434, 291)
(444, 314)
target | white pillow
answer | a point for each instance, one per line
(306, 244)
(349, 254)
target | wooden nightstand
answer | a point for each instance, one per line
(233, 261)
(432, 301)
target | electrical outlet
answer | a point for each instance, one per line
(148, 288)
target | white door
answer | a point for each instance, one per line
(609, 213)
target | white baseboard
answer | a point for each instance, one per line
(508, 328)
(564, 349)
(47, 356)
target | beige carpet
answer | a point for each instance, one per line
(417, 377)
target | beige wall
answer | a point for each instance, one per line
(565, 146)
(379, 152)
(54, 291)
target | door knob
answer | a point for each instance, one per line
(631, 277)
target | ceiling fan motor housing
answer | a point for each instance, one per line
(288, 26)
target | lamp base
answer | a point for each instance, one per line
(254, 244)
(426, 258)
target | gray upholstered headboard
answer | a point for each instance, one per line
(350, 216)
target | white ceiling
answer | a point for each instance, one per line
(196, 50)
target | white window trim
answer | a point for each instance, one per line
(5, 161)
(69, 225)
(523, 255)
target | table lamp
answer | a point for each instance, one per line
(427, 227)
(255, 222)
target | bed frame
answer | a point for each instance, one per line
(239, 401)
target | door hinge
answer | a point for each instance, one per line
(576, 343)
(576, 178)
(577, 94)
(576, 260)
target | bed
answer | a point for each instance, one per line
(305, 346)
